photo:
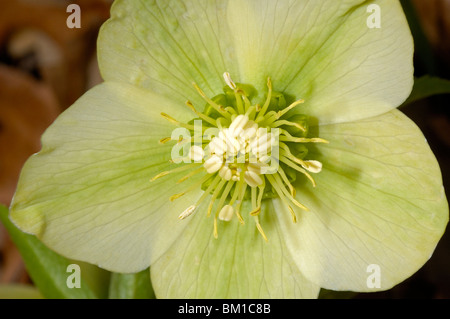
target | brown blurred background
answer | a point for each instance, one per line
(45, 66)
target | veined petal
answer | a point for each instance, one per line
(165, 45)
(88, 194)
(239, 264)
(324, 52)
(379, 201)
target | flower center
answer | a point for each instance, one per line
(242, 147)
(245, 151)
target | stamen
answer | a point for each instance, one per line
(188, 212)
(252, 179)
(217, 146)
(311, 166)
(165, 140)
(191, 188)
(215, 181)
(231, 110)
(237, 191)
(256, 211)
(290, 107)
(284, 122)
(288, 195)
(175, 170)
(214, 196)
(281, 194)
(213, 164)
(229, 81)
(250, 130)
(253, 198)
(297, 168)
(261, 231)
(220, 205)
(162, 174)
(241, 195)
(201, 115)
(177, 123)
(232, 144)
(261, 193)
(251, 111)
(226, 213)
(261, 120)
(268, 99)
(286, 137)
(239, 104)
(217, 107)
(273, 117)
(247, 102)
(262, 144)
(286, 181)
(238, 124)
(224, 196)
(196, 153)
(195, 172)
(226, 173)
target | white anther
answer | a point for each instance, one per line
(225, 172)
(196, 153)
(252, 179)
(255, 168)
(312, 166)
(213, 164)
(237, 126)
(232, 144)
(229, 81)
(217, 146)
(265, 159)
(249, 130)
(226, 213)
(261, 145)
(188, 212)
(261, 131)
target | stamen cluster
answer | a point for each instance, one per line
(248, 158)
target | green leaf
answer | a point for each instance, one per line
(427, 86)
(17, 291)
(131, 286)
(47, 269)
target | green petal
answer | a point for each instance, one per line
(379, 201)
(166, 45)
(239, 264)
(322, 51)
(88, 193)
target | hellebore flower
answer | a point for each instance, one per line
(355, 185)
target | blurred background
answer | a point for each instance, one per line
(45, 66)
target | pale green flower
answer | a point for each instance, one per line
(99, 191)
